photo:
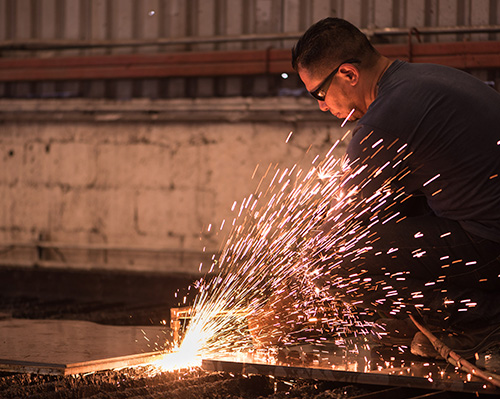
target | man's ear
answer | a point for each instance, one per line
(350, 72)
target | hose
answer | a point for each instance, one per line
(454, 358)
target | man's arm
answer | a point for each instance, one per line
(373, 179)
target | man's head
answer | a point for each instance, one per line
(329, 58)
(329, 42)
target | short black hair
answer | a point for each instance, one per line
(328, 41)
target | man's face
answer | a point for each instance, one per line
(335, 90)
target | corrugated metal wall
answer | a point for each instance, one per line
(22, 21)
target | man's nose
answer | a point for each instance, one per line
(322, 106)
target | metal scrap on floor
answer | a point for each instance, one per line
(372, 365)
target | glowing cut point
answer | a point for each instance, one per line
(190, 352)
(284, 75)
(181, 359)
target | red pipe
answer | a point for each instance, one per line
(462, 55)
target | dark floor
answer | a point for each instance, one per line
(126, 298)
(134, 383)
(108, 297)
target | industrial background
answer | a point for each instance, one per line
(129, 128)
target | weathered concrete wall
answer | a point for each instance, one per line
(142, 184)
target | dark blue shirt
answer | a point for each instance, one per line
(435, 131)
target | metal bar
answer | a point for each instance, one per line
(391, 393)
(452, 48)
(148, 59)
(30, 45)
(433, 395)
(432, 30)
(462, 55)
(441, 49)
(145, 65)
(16, 366)
(176, 314)
(388, 378)
(113, 363)
(132, 71)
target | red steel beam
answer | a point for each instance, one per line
(462, 55)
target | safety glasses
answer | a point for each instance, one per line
(320, 92)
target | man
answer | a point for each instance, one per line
(423, 177)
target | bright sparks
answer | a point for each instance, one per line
(267, 252)
(279, 280)
(348, 116)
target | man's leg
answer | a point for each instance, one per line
(422, 262)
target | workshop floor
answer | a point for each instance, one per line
(91, 309)
(35, 301)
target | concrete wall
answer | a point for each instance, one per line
(144, 189)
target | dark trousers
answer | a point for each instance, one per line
(423, 264)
